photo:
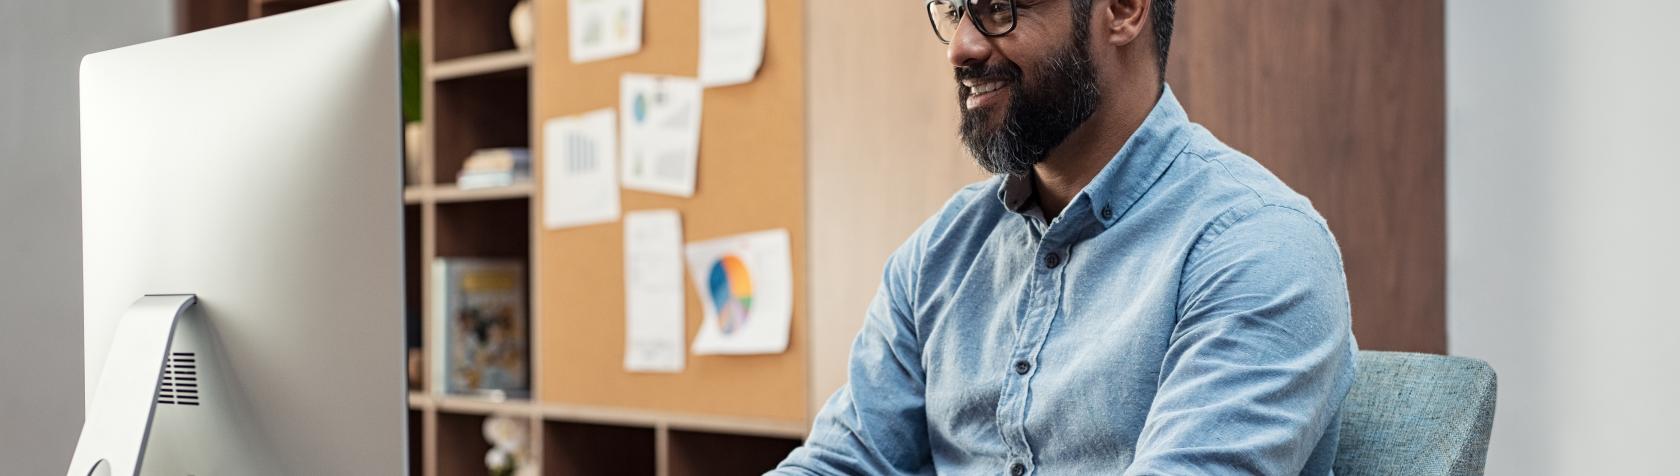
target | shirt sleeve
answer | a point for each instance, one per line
(876, 423)
(1262, 354)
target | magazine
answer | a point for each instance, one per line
(480, 338)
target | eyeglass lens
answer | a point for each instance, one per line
(994, 17)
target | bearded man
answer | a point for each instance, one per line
(1126, 295)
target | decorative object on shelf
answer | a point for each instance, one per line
(519, 24)
(416, 369)
(414, 146)
(480, 344)
(510, 447)
(498, 167)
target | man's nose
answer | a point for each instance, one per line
(968, 46)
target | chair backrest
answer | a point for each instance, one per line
(1417, 414)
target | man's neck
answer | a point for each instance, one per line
(1070, 166)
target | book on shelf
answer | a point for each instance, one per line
(480, 328)
(490, 180)
(498, 167)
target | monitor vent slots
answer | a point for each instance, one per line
(180, 380)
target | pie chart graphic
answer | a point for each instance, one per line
(732, 293)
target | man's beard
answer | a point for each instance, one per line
(1037, 119)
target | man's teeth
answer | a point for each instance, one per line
(983, 88)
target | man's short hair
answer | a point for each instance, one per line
(1161, 16)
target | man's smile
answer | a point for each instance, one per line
(982, 92)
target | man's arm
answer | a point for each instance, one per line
(876, 423)
(1262, 355)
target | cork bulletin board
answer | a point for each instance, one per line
(751, 177)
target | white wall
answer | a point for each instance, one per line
(41, 46)
(1563, 227)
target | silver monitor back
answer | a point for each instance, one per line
(257, 166)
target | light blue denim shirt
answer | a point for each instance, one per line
(1185, 314)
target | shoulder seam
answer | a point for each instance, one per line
(1231, 176)
(1216, 228)
(1235, 214)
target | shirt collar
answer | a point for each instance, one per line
(1128, 175)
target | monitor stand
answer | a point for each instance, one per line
(120, 417)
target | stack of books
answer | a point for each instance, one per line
(498, 167)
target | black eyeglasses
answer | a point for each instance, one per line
(991, 17)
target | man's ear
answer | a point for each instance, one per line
(1122, 21)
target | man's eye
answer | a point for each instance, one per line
(997, 8)
(948, 12)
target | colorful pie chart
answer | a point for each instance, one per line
(732, 293)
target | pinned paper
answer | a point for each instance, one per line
(746, 290)
(661, 127)
(653, 292)
(601, 29)
(731, 41)
(579, 186)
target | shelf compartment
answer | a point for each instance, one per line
(195, 15)
(587, 448)
(460, 444)
(275, 7)
(470, 27)
(478, 112)
(416, 445)
(693, 453)
(413, 236)
(484, 229)
(479, 65)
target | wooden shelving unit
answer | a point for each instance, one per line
(477, 93)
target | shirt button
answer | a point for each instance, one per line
(1021, 367)
(1052, 260)
(1108, 212)
(1017, 469)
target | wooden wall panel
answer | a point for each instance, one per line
(884, 156)
(752, 177)
(1345, 101)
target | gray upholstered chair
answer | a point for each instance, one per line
(1417, 414)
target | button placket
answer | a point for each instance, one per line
(1011, 410)
(1046, 289)
(1043, 302)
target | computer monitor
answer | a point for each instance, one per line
(257, 168)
